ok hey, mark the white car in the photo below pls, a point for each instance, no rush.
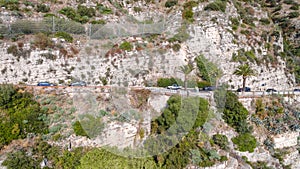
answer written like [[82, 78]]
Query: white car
[[174, 87]]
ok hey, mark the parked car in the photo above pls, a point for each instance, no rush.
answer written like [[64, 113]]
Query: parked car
[[174, 87], [45, 84], [209, 88], [296, 90], [247, 89], [79, 83], [271, 90]]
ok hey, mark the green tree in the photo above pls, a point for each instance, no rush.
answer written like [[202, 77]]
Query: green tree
[[20, 115], [245, 71], [208, 71]]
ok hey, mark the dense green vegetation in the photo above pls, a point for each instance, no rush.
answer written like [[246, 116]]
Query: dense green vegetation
[[82, 14], [218, 5], [78, 130], [245, 142], [221, 140], [126, 46], [20, 115], [187, 13], [54, 156], [101, 158], [235, 115], [171, 3], [208, 71], [65, 36], [174, 120]]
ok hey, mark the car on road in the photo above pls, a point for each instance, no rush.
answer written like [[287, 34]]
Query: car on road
[[45, 84], [79, 83], [174, 87], [271, 90], [296, 90], [247, 89], [209, 88]]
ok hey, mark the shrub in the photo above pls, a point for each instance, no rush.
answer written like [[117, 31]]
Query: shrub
[[20, 159], [100, 22], [188, 15], [265, 21], [203, 84], [42, 41], [190, 4], [137, 9], [85, 11], [126, 46], [221, 140], [176, 47], [171, 3], [288, 2], [65, 36], [49, 56], [42, 8], [293, 14], [69, 12], [78, 130], [13, 49], [218, 5], [104, 10], [180, 37], [245, 142], [165, 82], [295, 7]]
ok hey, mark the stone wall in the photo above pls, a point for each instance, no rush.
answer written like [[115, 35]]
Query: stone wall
[[286, 140]]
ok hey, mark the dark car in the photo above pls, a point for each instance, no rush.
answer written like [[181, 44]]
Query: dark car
[[209, 88], [80, 83], [45, 84], [296, 90], [271, 90], [247, 89]]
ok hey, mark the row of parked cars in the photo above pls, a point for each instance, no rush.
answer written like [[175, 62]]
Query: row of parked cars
[[78, 83], [247, 89]]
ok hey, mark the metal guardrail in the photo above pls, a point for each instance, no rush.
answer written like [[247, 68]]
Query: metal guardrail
[[182, 92], [264, 93]]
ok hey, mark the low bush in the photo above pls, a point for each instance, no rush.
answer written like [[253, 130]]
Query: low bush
[[126, 46], [245, 142], [42, 8], [78, 130], [203, 84], [176, 47], [104, 10], [221, 141], [188, 15], [65, 36], [218, 5], [171, 3], [165, 82], [293, 14], [42, 41]]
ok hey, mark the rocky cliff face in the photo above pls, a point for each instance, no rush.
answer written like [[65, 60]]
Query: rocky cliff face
[[211, 34]]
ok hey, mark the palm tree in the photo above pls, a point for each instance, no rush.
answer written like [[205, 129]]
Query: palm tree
[[186, 70], [245, 71]]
